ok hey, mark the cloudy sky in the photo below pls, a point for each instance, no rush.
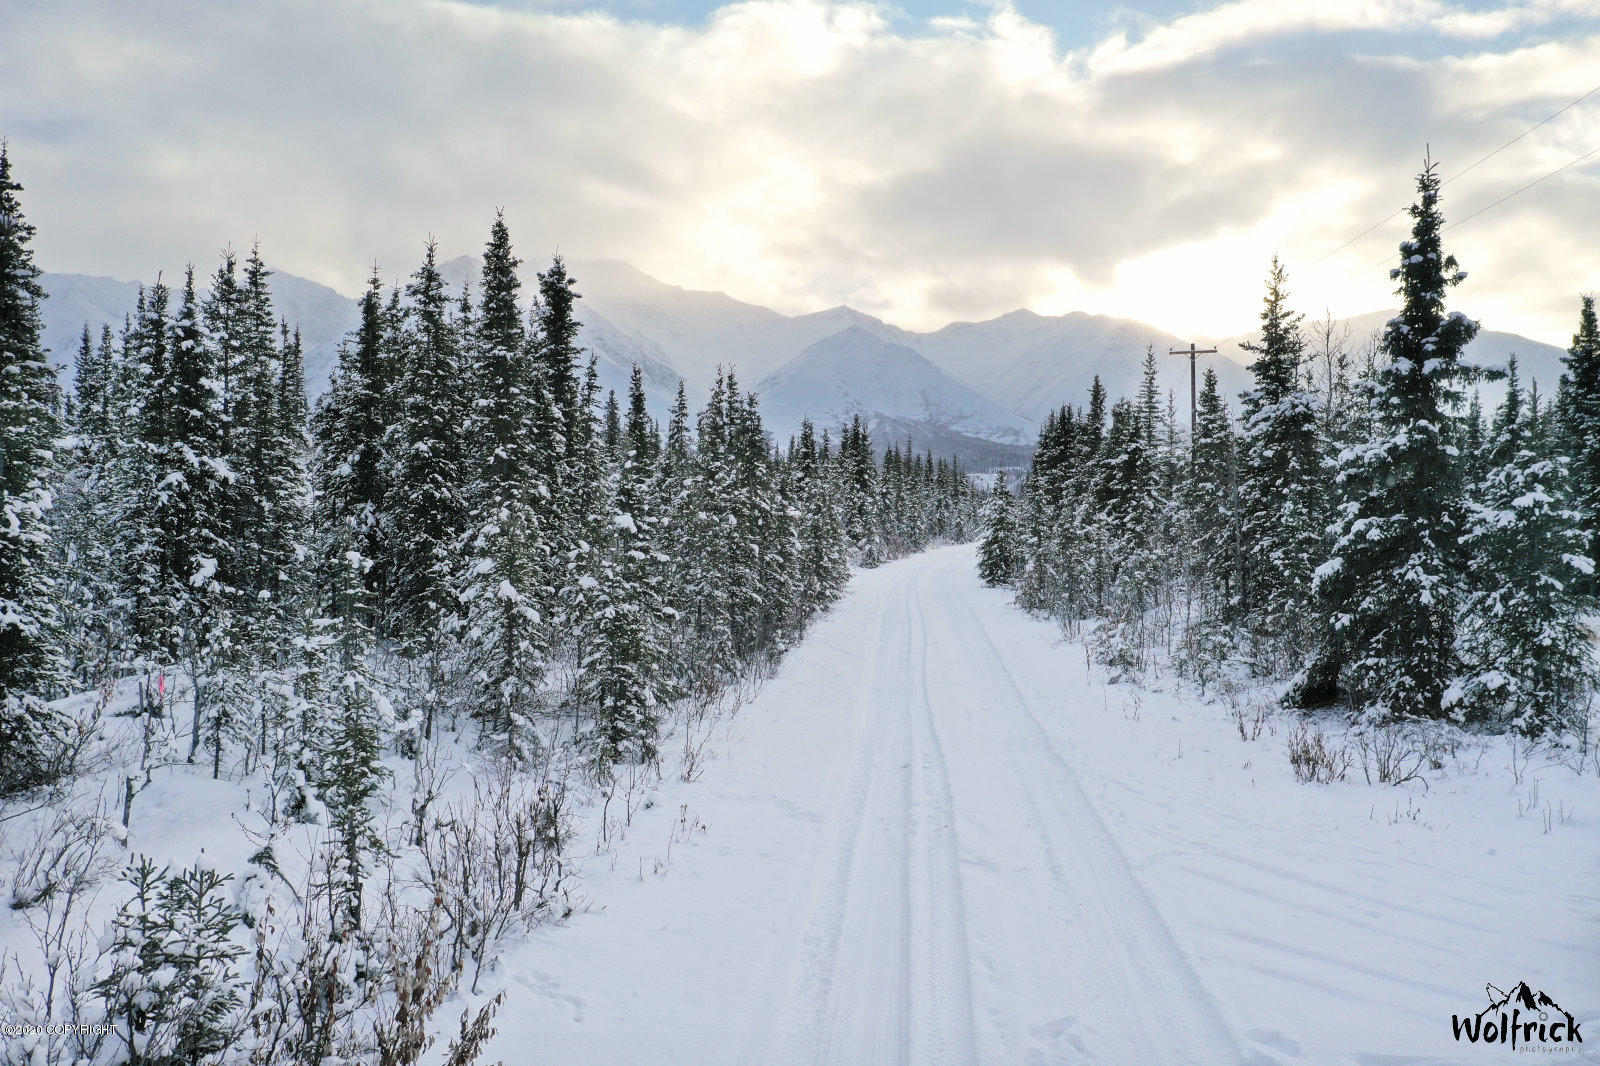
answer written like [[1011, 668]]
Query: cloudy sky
[[926, 161]]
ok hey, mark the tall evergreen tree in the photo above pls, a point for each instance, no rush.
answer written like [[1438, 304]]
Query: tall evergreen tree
[[1580, 412], [30, 665], [997, 554], [622, 672], [1280, 485], [1525, 634], [349, 429], [1393, 584], [191, 516], [429, 509], [505, 591]]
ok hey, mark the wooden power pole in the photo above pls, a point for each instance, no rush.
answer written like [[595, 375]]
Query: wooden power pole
[[1191, 352]]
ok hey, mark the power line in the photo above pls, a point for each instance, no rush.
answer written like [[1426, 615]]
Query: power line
[[1523, 134], [1516, 192], [1525, 188], [1400, 211]]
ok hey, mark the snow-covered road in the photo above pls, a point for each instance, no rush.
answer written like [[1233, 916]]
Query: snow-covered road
[[935, 837]]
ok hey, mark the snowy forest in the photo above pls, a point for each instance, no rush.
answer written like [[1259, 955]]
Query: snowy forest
[[417, 625], [1359, 527]]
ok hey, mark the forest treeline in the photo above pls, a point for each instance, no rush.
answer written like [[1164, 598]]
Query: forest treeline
[[1356, 524], [463, 563]]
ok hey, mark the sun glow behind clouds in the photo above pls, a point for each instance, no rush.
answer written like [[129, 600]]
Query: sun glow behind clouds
[[803, 154]]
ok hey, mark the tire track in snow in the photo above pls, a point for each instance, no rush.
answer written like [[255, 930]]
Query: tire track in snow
[[1178, 1021], [845, 1000], [943, 1028]]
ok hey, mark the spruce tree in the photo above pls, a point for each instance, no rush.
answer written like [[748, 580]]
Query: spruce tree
[[31, 669], [349, 428], [622, 675], [206, 989], [1525, 634], [504, 591], [191, 515], [565, 424], [1580, 413], [138, 986], [429, 506], [1210, 503], [1393, 585], [997, 554], [1280, 479], [345, 714], [143, 571]]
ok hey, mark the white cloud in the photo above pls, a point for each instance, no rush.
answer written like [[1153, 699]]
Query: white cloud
[[802, 154]]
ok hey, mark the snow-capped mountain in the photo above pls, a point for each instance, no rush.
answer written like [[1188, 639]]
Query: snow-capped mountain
[[322, 315], [897, 390], [1034, 363], [700, 331], [1026, 363]]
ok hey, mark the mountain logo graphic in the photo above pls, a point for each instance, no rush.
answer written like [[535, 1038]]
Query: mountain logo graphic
[[1519, 1017]]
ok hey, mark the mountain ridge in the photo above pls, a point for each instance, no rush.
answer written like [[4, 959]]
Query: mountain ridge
[[1016, 366]]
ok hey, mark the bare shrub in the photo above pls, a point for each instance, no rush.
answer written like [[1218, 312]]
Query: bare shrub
[[1314, 759], [60, 1000], [1397, 754], [416, 981], [496, 861], [65, 854], [1250, 719], [304, 1001]]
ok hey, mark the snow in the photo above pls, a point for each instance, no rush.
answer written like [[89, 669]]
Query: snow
[[855, 371], [936, 836]]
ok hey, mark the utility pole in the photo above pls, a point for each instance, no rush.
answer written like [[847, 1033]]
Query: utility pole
[[1191, 352]]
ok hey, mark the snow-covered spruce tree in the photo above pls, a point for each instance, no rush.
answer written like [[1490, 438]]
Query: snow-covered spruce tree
[[824, 569], [348, 714], [585, 518], [226, 313], [252, 406], [757, 583], [31, 669], [191, 518], [709, 566], [611, 429], [1280, 484], [1474, 441], [784, 615], [861, 501], [285, 482], [138, 985], [348, 429], [148, 612], [92, 425], [83, 519], [1207, 538], [1525, 637], [1393, 584], [567, 421], [1580, 418], [621, 676], [1210, 505], [672, 491], [503, 590], [997, 554], [426, 447], [206, 991]]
